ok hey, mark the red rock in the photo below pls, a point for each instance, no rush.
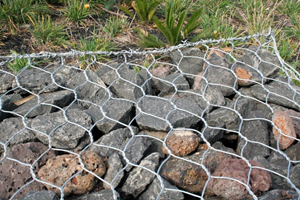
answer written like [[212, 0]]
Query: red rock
[[285, 123], [14, 175], [59, 169], [182, 143], [238, 169]]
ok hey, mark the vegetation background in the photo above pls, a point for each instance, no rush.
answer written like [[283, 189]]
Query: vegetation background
[[29, 26]]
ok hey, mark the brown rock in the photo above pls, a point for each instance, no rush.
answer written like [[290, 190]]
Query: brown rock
[[189, 176], [185, 175], [59, 169], [238, 169], [285, 123], [243, 74], [182, 142], [14, 175]]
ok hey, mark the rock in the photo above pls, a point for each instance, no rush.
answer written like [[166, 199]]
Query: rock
[[260, 180], [226, 116], [184, 175], [256, 132], [108, 73], [284, 123], [295, 116], [190, 61], [294, 175], [181, 142], [7, 104], [60, 98], [89, 87], [157, 74], [40, 195], [64, 73], [153, 108], [116, 139], [279, 164], [280, 194], [35, 80], [139, 178], [61, 168], [156, 138], [130, 84], [6, 82], [63, 134], [154, 189], [172, 83], [244, 74], [135, 149], [212, 134], [260, 62], [14, 175], [106, 194], [292, 152], [216, 65], [278, 92], [114, 166], [117, 109], [12, 131]]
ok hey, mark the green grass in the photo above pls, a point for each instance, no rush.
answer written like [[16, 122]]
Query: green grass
[[47, 33], [17, 12], [158, 23]]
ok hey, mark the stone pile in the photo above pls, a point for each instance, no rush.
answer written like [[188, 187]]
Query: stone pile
[[207, 124]]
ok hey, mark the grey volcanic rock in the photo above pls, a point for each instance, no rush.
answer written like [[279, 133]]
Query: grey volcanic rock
[[60, 98], [154, 189], [280, 93], [117, 109], [136, 148], [262, 61], [139, 178], [114, 166], [213, 134], [279, 164], [6, 82], [217, 72], [108, 73], [115, 139], [190, 61], [62, 133], [204, 96], [255, 130], [13, 129], [226, 116], [89, 87], [154, 108], [40, 195], [105, 194], [35, 80], [14, 175], [295, 174], [166, 85], [131, 84], [7, 102]]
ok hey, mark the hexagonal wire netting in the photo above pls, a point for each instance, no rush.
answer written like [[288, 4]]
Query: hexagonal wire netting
[[210, 118]]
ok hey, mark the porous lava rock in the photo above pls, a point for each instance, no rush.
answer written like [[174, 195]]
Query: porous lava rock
[[14, 175], [60, 168], [284, 122], [238, 169], [182, 142]]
